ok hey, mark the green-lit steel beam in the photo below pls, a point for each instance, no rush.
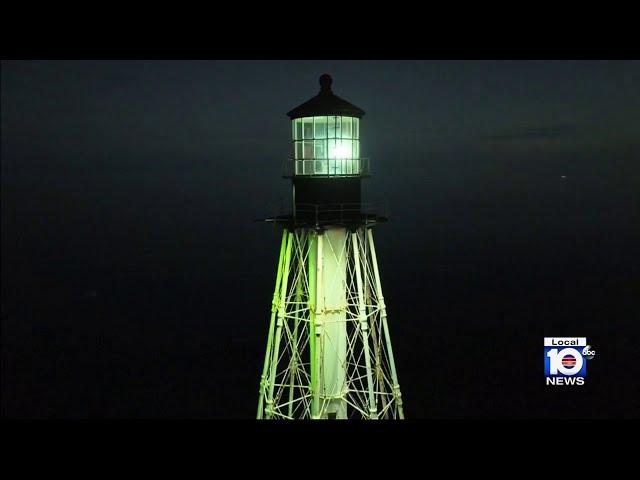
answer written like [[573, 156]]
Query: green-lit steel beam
[[274, 308], [383, 315], [312, 245], [299, 279], [279, 323], [318, 325], [364, 326]]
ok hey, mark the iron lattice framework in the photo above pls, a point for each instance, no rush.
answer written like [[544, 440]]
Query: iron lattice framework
[[328, 351]]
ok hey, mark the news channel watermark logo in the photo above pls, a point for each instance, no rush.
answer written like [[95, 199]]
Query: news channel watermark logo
[[565, 360]]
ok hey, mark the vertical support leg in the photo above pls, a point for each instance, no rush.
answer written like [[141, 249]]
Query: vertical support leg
[[364, 327], [279, 323], [274, 309], [383, 315], [299, 279], [379, 383], [318, 326], [313, 364]]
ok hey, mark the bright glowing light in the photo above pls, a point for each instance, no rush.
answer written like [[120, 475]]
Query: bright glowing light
[[342, 151]]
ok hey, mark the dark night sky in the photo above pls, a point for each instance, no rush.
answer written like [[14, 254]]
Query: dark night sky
[[135, 282]]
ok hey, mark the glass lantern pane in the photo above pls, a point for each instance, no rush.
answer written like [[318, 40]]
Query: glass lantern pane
[[356, 128], [308, 149], [356, 149], [320, 167], [334, 127], [307, 128], [331, 149], [346, 127], [320, 149], [320, 127], [298, 150], [333, 168], [347, 149], [298, 129]]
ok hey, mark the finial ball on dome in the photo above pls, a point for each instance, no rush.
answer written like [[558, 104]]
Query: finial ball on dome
[[325, 81]]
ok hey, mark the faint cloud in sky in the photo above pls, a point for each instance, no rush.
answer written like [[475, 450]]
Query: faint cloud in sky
[[538, 132]]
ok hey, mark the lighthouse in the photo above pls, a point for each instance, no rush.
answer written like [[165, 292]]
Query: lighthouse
[[329, 353]]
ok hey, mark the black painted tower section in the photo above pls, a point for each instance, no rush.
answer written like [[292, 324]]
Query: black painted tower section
[[326, 196]]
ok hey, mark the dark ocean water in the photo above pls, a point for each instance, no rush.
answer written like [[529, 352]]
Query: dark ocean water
[[141, 295]]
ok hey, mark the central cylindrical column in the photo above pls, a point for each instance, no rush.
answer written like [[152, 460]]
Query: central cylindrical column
[[330, 320], [334, 342]]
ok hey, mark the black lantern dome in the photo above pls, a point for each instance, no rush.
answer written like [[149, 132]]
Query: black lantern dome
[[326, 103]]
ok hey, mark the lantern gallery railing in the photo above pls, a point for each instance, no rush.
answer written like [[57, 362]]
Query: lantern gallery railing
[[331, 214], [328, 167]]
